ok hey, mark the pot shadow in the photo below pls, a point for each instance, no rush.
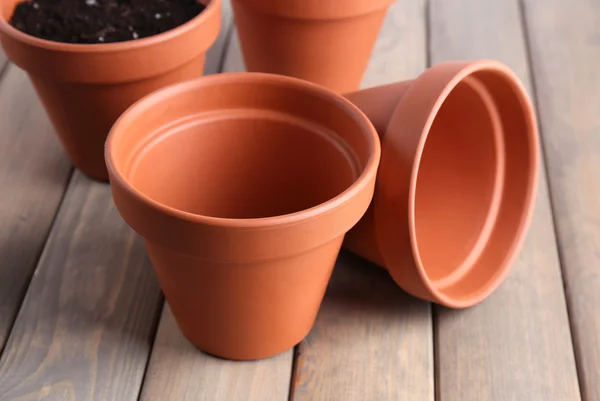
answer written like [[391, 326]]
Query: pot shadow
[[362, 301], [358, 284]]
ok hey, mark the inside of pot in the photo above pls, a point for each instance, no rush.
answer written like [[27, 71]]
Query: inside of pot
[[470, 253], [458, 183], [250, 149]]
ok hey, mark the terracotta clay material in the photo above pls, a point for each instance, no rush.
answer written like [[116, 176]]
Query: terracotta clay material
[[456, 186], [325, 42], [243, 186], [86, 87]]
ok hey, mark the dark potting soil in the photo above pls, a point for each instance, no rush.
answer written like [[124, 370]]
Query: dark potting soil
[[101, 21]]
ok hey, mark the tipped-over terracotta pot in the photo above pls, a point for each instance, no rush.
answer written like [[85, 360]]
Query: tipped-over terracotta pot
[[457, 180], [243, 186], [325, 42], [86, 87]]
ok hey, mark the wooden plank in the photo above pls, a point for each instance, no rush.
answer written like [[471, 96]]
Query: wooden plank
[[179, 371], [85, 328], [34, 172], [564, 41], [516, 345], [371, 341], [216, 54]]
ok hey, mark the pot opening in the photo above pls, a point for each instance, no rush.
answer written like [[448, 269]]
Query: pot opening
[[460, 178], [251, 148], [243, 167], [517, 195]]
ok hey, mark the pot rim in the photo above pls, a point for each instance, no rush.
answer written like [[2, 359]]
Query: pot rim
[[461, 71], [329, 206], [7, 29]]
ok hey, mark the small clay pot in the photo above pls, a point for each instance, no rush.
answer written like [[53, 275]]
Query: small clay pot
[[325, 42], [86, 87], [456, 186], [243, 186]]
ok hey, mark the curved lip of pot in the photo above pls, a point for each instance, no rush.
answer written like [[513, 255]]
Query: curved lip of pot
[[467, 69], [329, 206], [6, 28]]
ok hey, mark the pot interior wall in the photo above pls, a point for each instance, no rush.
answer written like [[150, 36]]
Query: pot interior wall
[[457, 177], [243, 165], [521, 154]]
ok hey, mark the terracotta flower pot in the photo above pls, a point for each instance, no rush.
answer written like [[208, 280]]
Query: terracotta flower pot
[[243, 186], [85, 87], [325, 42], [457, 181]]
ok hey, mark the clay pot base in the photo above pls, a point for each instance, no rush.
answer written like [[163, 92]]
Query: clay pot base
[[253, 164], [328, 43]]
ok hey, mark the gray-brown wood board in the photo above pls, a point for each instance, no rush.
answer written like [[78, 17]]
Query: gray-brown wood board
[[371, 341], [86, 325], [564, 41], [34, 172], [516, 345]]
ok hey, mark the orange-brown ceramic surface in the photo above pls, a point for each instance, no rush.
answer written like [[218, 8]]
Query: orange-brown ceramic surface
[[325, 42], [243, 186], [456, 185], [85, 88]]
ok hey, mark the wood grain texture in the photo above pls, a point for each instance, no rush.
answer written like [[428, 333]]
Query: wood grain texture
[[564, 41], [85, 328], [179, 371], [371, 341], [34, 172], [516, 345]]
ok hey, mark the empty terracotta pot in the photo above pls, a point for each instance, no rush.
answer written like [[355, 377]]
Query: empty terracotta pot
[[243, 186], [457, 181], [325, 42], [86, 87]]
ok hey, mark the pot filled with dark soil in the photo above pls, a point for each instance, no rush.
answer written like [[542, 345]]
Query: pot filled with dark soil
[[89, 60]]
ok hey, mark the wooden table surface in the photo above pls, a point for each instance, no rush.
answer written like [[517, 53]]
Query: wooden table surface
[[81, 312]]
